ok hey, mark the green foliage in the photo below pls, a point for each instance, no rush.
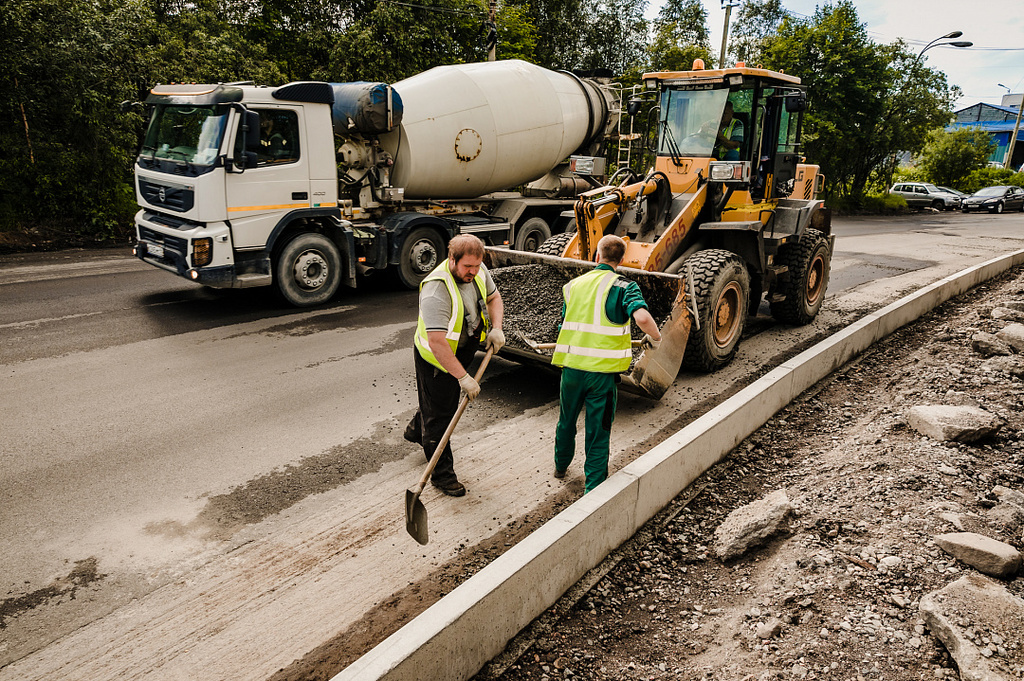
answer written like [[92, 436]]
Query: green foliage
[[755, 23], [868, 102], [680, 36], [987, 177], [868, 204], [949, 157]]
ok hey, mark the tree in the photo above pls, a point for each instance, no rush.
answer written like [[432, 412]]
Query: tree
[[755, 23], [680, 36], [950, 156], [867, 102], [616, 36]]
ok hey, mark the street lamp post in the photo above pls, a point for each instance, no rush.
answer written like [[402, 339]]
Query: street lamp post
[[952, 34], [727, 5]]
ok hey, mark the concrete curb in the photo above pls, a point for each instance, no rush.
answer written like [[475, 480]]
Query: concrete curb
[[455, 637]]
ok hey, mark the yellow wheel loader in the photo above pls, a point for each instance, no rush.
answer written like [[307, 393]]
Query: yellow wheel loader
[[728, 216]]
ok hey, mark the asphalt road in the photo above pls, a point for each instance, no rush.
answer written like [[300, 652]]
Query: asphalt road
[[152, 427]]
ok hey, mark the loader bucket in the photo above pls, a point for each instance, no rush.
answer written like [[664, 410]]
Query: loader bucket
[[531, 288]]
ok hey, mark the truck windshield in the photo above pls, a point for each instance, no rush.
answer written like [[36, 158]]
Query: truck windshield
[[690, 121], [185, 134]]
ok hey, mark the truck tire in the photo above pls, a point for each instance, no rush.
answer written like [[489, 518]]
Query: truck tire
[[721, 286], [308, 270], [556, 244], [531, 234], [809, 263], [422, 251]]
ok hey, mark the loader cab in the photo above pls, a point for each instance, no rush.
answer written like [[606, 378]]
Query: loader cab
[[739, 127]]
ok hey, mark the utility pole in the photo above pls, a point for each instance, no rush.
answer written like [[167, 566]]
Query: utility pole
[[727, 5], [1013, 138], [492, 31]]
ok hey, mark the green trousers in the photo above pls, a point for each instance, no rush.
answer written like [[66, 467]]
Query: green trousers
[[599, 394]]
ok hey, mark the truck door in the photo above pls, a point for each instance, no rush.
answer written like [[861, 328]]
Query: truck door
[[279, 183]]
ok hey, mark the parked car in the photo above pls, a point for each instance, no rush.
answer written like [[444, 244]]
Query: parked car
[[923, 195], [962, 195], [995, 199]]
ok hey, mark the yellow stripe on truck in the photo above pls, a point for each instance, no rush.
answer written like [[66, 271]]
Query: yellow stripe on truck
[[282, 206]]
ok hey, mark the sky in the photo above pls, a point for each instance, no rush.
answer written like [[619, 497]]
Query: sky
[[996, 27]]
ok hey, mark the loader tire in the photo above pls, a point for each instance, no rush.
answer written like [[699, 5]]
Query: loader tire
[[721, 287], [308, 270], [556, 244], [809, 262]]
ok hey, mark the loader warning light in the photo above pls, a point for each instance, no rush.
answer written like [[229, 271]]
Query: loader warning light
[[698, 65]]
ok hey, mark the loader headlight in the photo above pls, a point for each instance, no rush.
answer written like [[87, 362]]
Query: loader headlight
[[202, 252], [730, 171]]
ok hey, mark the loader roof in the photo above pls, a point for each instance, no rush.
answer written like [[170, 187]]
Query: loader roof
[[720, 75]]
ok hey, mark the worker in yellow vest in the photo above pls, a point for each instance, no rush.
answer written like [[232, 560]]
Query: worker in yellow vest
[[594, 346], [459, 307], [730, 136]]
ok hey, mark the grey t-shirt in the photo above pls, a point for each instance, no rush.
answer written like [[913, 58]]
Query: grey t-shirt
[[436, 304]]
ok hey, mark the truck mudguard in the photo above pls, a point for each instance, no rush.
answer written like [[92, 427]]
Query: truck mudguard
[[341, 234], [368, 108], [399, 225]]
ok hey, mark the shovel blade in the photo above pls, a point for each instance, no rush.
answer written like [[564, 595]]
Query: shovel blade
[[416, 517]]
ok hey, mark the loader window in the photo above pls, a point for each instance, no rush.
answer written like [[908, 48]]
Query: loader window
[[690, 121]]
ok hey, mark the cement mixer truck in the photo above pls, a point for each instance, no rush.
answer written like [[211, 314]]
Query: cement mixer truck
[[309, 185]]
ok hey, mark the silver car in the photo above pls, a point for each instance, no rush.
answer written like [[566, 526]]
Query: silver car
[[923, 195]]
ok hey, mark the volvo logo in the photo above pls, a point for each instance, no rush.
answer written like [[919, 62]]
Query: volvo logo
[[163, 195]]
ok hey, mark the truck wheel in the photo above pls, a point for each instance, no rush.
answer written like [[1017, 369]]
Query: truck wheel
[[556, 244], [308, 270], [721, 285], [422, 251], [809, 263], [531, 234]]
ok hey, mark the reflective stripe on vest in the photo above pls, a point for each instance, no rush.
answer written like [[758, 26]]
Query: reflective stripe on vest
[[455, 322], [589, 341]]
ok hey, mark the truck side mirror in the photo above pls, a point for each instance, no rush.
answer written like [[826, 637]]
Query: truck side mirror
[[252, 132], [796, 103]]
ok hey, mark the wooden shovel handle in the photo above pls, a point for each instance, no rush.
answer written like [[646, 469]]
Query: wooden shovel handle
[[463, 403]]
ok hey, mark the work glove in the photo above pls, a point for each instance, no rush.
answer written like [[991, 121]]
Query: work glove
[[495, 340], [469, 386], [649, 342]]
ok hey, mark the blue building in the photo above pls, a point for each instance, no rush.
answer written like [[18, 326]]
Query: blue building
[[999, 122]]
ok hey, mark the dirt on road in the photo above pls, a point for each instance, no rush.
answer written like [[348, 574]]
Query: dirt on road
[[836, 595]]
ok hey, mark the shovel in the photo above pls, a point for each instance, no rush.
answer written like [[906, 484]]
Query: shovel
[[415, 512]]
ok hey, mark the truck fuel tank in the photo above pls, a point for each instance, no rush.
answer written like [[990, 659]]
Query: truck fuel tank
[[471, 129]]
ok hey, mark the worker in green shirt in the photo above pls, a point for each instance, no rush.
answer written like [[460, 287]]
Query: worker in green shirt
[[594, 346]]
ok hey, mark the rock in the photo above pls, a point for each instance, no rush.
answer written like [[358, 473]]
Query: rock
[[1012, 365], [1008, 495], [987, 345], [769, 629], [953, 423], [1013, 305], [1008, 314], [1013, 335], [1007, 515], [750, 525], [985, 604], [953, 519], [983, 553]]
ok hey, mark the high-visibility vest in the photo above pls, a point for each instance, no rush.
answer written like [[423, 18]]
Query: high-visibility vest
[[589, 341], [454, 330], [721, 151]]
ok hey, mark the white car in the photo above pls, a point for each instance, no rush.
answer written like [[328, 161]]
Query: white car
[[923, 195]]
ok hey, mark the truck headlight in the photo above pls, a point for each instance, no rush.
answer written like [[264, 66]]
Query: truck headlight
[[202, 252]]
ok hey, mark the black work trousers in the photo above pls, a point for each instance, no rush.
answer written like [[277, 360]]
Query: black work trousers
[[438, 393]]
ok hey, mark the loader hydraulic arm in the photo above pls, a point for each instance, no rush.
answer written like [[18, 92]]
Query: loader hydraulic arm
[[597, 210]]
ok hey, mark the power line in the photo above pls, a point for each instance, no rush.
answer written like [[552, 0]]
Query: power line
[[442, 10]]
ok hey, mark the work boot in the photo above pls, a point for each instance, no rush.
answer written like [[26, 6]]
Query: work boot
[[559, 474], [452, 489], [412, 432]]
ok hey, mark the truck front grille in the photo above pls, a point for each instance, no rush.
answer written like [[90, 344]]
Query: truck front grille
[[173, 197], [170, 243]]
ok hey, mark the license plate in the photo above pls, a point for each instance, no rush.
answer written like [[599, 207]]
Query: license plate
[[155, 250]]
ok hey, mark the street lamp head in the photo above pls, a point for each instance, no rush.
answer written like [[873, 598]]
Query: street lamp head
[[954, 34], [961, 43]]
